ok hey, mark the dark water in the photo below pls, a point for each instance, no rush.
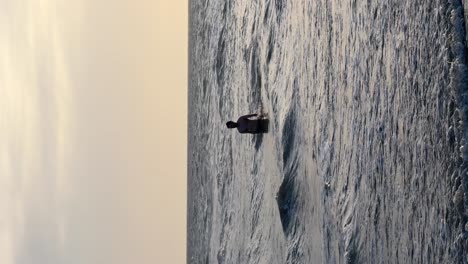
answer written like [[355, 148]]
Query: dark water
[[365, 159]]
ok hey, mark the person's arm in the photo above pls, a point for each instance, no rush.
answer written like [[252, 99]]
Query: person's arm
[[248, 116]]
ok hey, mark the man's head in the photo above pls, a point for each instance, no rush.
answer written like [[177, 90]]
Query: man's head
[[231, 124]]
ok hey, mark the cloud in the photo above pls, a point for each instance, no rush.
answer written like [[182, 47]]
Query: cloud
[[80, 155], [34, 102]]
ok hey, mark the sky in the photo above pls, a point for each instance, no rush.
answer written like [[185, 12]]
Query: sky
[[93, 131]]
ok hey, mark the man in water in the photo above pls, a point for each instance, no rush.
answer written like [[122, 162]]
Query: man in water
[[246, 125]]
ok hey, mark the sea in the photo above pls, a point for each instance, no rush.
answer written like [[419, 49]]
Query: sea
[[365, 160]]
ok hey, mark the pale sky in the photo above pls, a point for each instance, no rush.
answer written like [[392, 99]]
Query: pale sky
[[93, 107]]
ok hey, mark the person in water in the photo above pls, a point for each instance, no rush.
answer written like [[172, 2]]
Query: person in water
[[246, 125]]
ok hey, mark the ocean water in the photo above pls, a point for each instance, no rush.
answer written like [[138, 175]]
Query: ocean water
[[365, 159]]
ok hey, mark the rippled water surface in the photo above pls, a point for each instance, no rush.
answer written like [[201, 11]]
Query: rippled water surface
[[365, 159]]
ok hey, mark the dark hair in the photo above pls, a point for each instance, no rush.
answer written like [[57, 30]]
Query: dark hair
[[231, 124]]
